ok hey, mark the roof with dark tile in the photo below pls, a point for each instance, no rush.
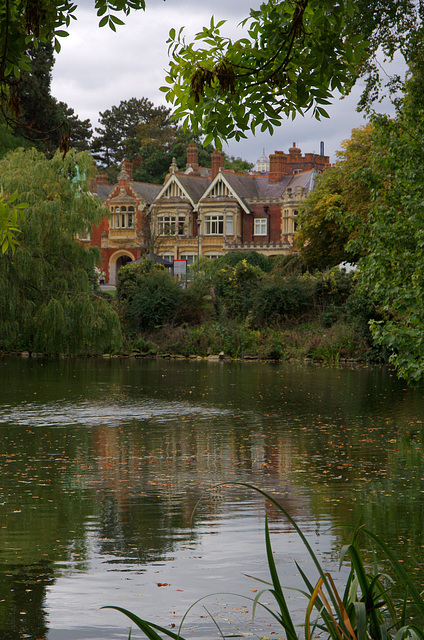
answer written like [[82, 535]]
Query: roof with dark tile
[[104, 191], [194, 186], [145, 190]]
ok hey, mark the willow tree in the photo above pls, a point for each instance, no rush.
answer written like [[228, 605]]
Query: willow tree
[[48, 297]]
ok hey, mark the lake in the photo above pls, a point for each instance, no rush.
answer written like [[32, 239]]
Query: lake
[[107, 476]]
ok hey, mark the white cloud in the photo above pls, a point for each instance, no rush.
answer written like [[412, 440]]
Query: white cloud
[[98, 68]]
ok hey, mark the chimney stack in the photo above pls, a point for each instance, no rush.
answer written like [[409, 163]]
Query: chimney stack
[[217, 162], [277, 166], [101, 178], [192, 156]]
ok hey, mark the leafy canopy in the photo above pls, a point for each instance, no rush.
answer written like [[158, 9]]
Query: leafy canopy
[[381, 211], [339, 206], [294, 54], [48, 297]]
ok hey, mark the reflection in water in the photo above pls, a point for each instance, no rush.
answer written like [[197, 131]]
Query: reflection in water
[[103, 465]]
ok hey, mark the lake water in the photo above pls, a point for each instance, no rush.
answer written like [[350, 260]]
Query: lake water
[[106, 475]]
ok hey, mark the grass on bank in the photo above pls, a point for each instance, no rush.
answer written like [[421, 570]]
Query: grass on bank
[[371, 606]]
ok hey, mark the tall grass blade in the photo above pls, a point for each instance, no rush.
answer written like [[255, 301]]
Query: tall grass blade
[[322, 611], [367, 592], [277, 591], [361, 620], [406, 580], [411, 632], [148, 628], [294, 525]]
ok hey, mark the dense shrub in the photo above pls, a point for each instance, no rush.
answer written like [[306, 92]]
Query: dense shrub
[[333, 286], [131, 274], [286, 265], [233, 258], [195, 303], [277, 300], [234, 288], [149, 297]]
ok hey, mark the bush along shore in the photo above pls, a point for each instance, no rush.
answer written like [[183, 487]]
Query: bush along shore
[[245, 306], [240, 306]]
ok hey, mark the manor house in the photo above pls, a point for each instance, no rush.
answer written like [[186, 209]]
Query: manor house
[[202, 211]]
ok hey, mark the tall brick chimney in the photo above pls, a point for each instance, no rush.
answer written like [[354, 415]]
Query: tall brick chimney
[[217, 162], [277, 166], [192, 156], [101, 178]]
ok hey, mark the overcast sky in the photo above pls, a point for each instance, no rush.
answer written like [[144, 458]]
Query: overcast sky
[[98, 68]]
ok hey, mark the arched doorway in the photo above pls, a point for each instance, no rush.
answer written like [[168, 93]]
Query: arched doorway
[[117, 261]]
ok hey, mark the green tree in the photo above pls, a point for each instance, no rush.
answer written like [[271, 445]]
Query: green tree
[[292, 56], [237, 164], [320, 239], [341, 194], [80, 131], [48, 298], [159, 144], [33, 112], [36, 116], [391, 270], [118, 135], [235, 287]]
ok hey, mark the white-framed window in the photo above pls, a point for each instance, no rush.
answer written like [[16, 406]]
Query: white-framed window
[[168, 256], [171, 225], [229, 225], [190, 257], [214, 225], [212, 256], [123, 217], [295, 222], [261, 227]]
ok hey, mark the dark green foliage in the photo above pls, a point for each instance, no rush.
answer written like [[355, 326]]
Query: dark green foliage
[[10, 141], [149, 296], [39, 118], [275, 301], [80, 131], [118, 136], [333, 286], [160, 145], [284, 265], [195, 304], [35, 116]]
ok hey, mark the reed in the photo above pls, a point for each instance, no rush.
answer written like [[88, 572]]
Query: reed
[[372, 605]]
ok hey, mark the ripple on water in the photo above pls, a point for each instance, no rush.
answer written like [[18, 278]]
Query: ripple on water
[[65, 413]]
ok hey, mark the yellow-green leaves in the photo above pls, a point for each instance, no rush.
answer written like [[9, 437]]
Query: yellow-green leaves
[[10, 213]]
